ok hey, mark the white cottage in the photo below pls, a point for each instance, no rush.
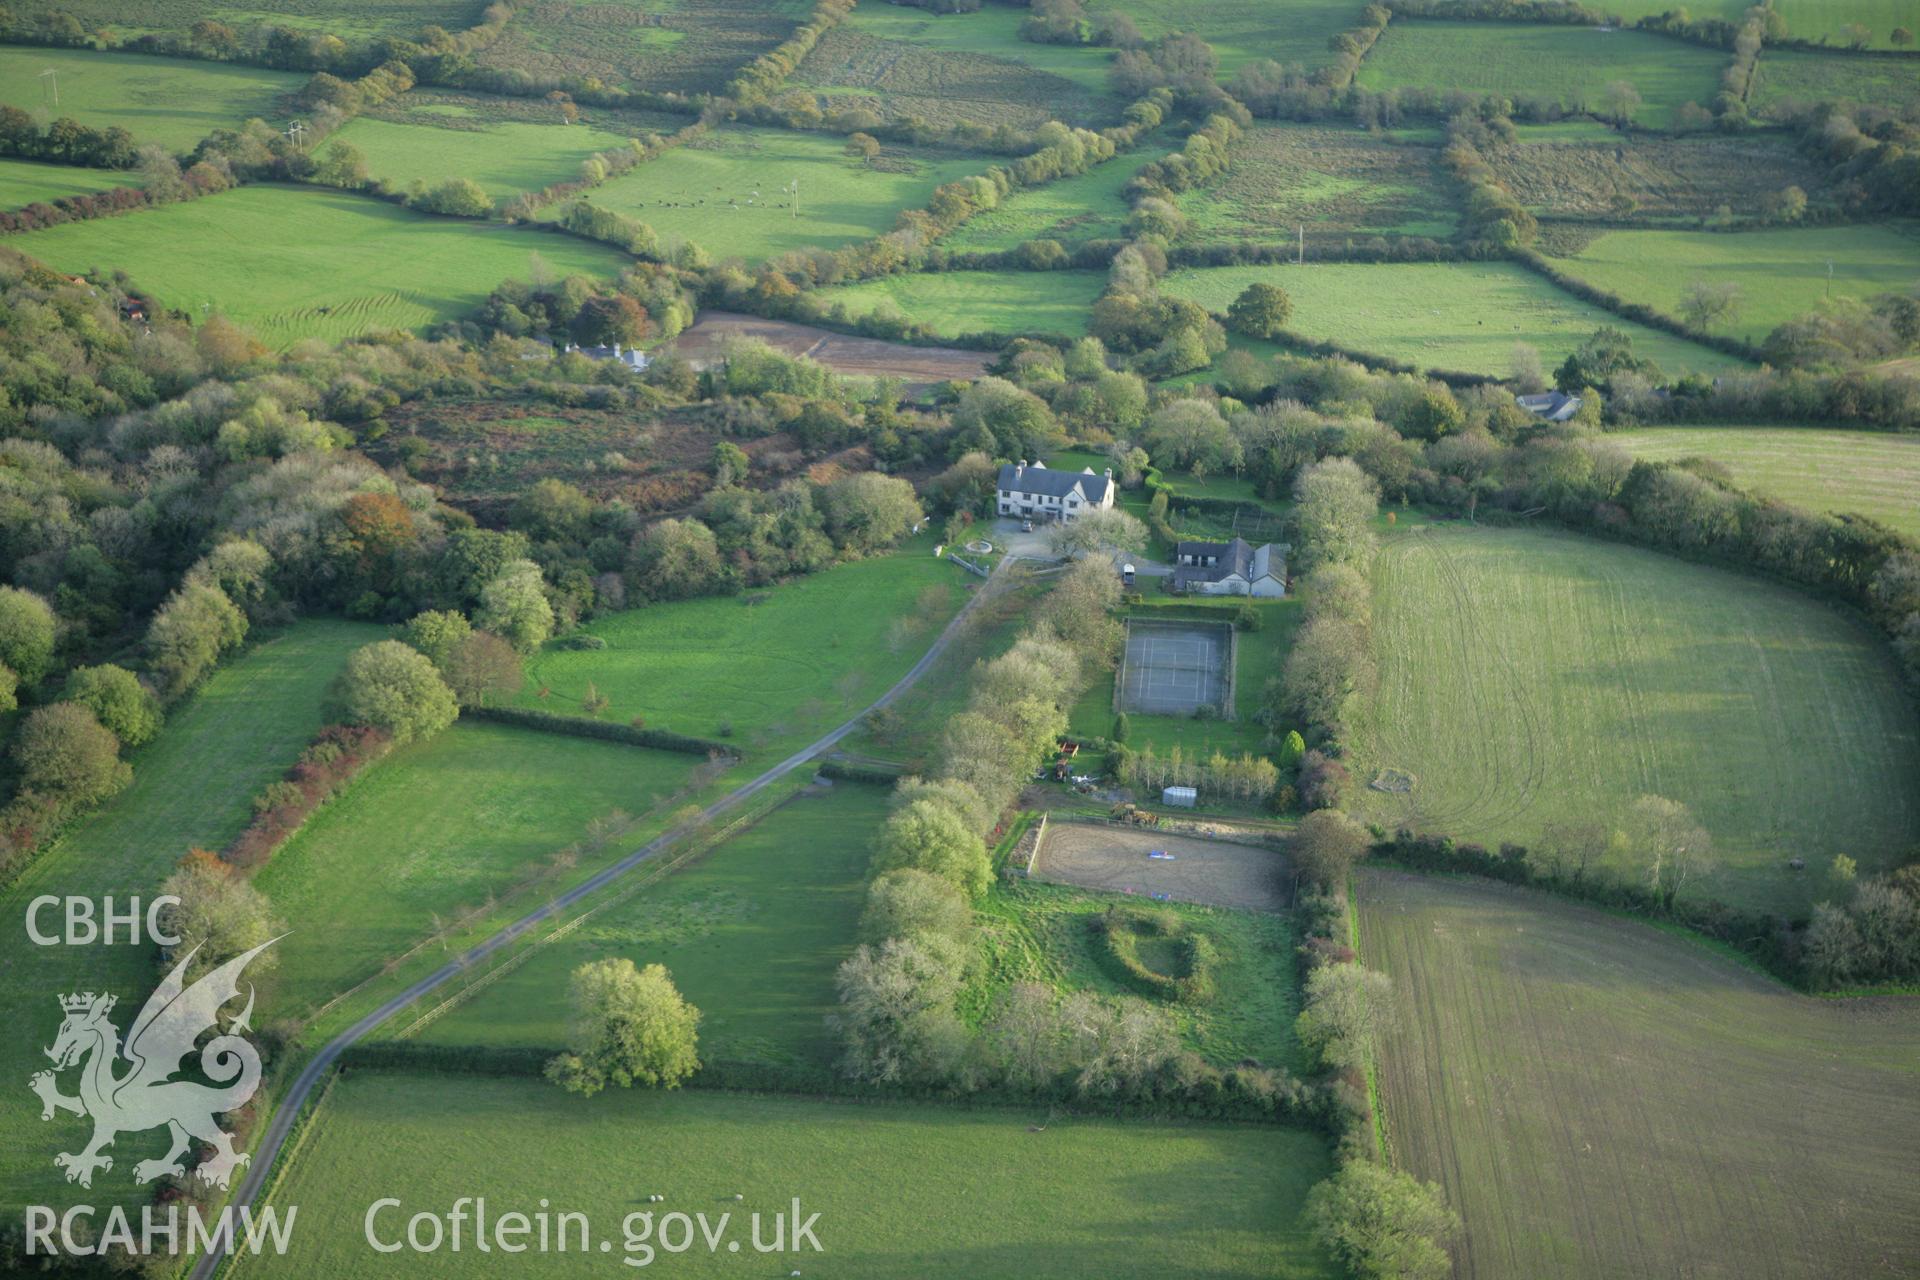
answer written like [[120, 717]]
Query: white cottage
[[1039, 493]]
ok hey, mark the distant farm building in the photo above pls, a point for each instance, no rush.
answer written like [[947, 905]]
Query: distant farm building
[[632, 357], [1036, 492], [1235, 568], [1550, 406]]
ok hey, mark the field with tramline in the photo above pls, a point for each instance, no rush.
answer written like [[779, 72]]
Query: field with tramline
[[1597, 173], [357, 265], [192, 786], [1601, 1098], [447, 826], [1780, 274], [1796, 76], [956, 303], [1568, 65], [728, 192], [1338, 184], [752, 933], [685, 46], [1874, 473], [900, 1188], [169, 101], [769, 669], [1534, 678], [1438, 315], [23, 182]]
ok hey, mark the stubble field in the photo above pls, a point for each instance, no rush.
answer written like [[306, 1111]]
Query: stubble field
[[1602, 1099]]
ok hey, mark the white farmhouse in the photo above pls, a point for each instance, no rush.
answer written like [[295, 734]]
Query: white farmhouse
[[1035, 492]]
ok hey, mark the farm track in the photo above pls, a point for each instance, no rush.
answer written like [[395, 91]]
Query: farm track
[[287, 1113]]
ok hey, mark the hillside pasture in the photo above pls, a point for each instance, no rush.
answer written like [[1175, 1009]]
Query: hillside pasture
[[1087, 206], [442, 827], [169, 101], [25, 182], [681, 46], [724, 191], [1564, 64], [505, 158], [900, 1189], [771, 668], [1294, 32], [957, 303], [1336, 183], [1601, 1098], [1873, 473], [357, 265], [1780, 274], [1787, 77], [1648, 177], [1438, 315], [193, 786], [752, 933], [1532, 678], [904, 63]]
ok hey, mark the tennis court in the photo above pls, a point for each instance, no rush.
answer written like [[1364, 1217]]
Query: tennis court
[[1174, 668]]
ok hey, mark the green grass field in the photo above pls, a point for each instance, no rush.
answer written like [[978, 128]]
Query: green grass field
[[1073, 210], [1243, 31], [348, 19], [901, 1190], [1794, 75], [774, 668], [505, 158], [1572, 65], [441, 827], [1781, 274], [1055, 303], [1530, 678], [165, 100], [1337, 184], [23, 182], [1601, 1098], [1037, 932], [358, 264], [1438, 315], [192, 786], [1874, 473], [1817, 19], [724, 192], [752, 934]]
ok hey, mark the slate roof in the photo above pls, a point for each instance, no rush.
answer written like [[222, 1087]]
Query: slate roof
[[1038, 478]]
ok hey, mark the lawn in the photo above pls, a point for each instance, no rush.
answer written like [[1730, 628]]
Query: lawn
[[442, 827], [1037, 932], [24, 182], [1874, 473], [1243, 31], [1438, 315], [908, 63], [772, 669], [752, 934], [1802, 76], [165, 100], [954, 303], [725, 192], [192, 786], [901, 1190], [504, 157], [1074, 210], [1260, 654], [357, 265], [1601, 1098], [1570, 65], [1531, 678], [1780, 274], [1337, 184]]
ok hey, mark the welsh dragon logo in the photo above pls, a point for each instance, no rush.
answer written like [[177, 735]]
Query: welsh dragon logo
[[145, 1096]]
